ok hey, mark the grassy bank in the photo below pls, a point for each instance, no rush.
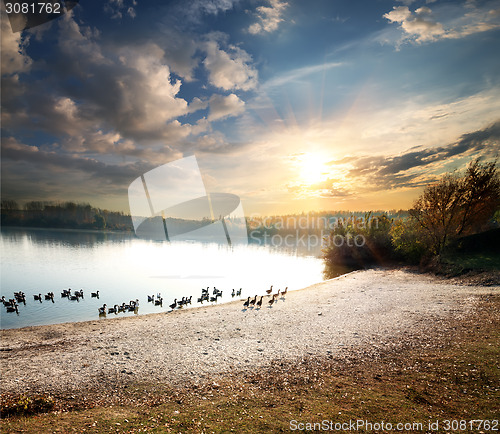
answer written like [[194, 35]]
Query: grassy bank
[[451, 373]]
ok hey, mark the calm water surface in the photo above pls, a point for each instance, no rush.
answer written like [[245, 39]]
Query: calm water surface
[[124, 268]]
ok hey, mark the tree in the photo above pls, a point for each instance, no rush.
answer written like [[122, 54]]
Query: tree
[[458, 205]]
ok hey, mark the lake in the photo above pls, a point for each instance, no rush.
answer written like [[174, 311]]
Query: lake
[[123, 268]]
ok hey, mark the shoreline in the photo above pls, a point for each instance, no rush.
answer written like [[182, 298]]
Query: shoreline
[[361, 311]]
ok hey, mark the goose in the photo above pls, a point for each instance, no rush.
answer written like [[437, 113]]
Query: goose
[[204, 291], [212, 299], [201, 299], [247, 303], [2, 300], [159, 302], [12, 308], [113, 309], [252, 302], [233, 293], [259, 303], [151, 298], [284, 291], [94, 294], [173, 305], [219, 294], [238, 293], [188, 300], [102, 310], [48, 296], [75, 297], [182, 301], [122, 307], [271, 301], [214, 291], [80, 293], [38, 297], [268, 292]]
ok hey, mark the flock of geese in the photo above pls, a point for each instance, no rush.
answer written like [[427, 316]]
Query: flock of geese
[[253, 302], [12, 305]]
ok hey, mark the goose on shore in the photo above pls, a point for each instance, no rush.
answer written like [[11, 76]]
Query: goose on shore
[[233, 293], [259, 303], [268, 292], [238, 293], [272, 300], [174, 304], [252, 302], [284, 291]]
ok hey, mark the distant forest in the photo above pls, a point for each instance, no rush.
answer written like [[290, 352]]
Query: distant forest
[[66, 215], [71, 215]]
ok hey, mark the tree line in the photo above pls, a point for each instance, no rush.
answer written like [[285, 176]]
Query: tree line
[[449, 215], [67, 215]]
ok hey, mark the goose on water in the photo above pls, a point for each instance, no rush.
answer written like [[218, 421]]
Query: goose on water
[[38, 297], [12, 308], [94, 294], [102, 310]]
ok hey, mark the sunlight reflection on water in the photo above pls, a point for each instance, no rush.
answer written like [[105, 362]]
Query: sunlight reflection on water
[[124, 268]]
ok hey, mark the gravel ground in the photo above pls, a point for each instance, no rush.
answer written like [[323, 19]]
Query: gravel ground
[[361, 312]]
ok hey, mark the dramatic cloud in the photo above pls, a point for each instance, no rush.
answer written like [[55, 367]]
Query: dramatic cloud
[[225, 106], [231, 69], [269, 17], [400, 171]]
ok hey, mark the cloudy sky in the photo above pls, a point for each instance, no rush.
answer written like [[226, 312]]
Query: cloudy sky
[[292, 105]]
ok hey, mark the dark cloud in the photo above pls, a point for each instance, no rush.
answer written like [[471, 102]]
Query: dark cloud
[[393, 171]]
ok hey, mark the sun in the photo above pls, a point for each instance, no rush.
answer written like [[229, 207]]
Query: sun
[[312, 168]]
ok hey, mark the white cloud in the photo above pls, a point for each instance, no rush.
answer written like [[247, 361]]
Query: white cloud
[[229, 70], [422, 25], [14, 57], [419, 25], [269, 17], [225, 106], [300, 73]]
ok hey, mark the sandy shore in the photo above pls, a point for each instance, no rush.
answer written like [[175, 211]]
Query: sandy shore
[[362, 311]]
